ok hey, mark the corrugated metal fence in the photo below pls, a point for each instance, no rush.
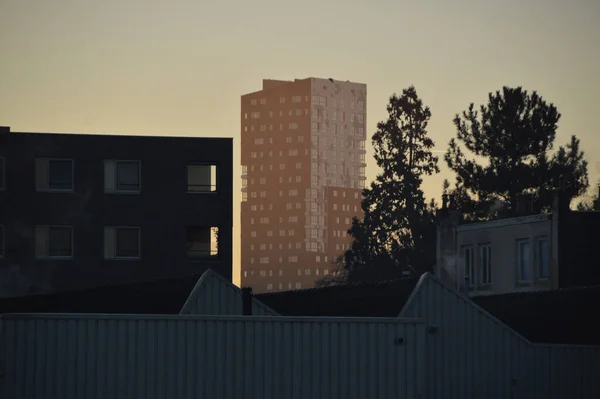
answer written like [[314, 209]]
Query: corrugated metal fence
[[474, 355], [121, 356]]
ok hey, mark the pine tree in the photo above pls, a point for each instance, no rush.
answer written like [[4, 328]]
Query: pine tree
[[512, 136]]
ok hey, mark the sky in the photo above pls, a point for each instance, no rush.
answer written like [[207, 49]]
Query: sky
[[158, 67]]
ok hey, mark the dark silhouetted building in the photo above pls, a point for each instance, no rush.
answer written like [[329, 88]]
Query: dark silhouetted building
[[82, 210]]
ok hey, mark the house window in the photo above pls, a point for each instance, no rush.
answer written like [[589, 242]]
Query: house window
[[298, 286], [468, 259], [202, 178], [54, 174], [543, 258], [485, 264], [1, 241], [523, 261], [122, 176], [2, 174], [53, 242], [202, 242], [121, 243]]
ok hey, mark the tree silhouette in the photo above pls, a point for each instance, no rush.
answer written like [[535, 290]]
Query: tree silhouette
[[512, 137], [397, 230]]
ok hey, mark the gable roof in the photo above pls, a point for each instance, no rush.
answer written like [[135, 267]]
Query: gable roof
[[563, 316], [545, 317], [161, 296], [214, 295], [383, 299]]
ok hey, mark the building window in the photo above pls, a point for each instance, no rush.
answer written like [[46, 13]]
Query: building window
[[469, 264], [269, 287], [201, 178], [53, 242], [121, 243], [1, 241], [298, 286], [202, 242], [54, 174], [523, 261], [543, 258], [485, 264], [122, 176], [2, 174]]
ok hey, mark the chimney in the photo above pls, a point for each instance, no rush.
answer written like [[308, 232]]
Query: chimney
[[247, 301], [4, 129]]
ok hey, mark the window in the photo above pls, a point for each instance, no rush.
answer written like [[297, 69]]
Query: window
[[202, 178], [121, 176], [298, 286], [523, 261], [2, 174], [54, 174], [469, 264], [53, 242], [202, 242], [485, 264], [1, 241], [543, 258], [121, 243]]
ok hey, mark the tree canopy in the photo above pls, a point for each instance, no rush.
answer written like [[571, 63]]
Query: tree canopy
[[511, 138], [397, 231]]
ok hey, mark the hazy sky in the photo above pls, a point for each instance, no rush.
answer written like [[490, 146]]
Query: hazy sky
[[179, 67]]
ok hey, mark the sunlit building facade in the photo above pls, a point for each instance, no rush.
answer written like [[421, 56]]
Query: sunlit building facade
[[303, 170]]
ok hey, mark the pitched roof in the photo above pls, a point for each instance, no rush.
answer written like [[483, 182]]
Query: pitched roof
[[215, 295], [383, 299], [564, 316], [162, 296]]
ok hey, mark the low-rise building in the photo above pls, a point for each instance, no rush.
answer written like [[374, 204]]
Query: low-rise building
[[82, 210], [528, 253]]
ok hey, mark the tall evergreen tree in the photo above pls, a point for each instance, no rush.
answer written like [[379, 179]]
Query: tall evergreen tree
[[397, 230], [513, 135]]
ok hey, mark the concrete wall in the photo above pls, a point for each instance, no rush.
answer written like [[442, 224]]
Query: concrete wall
[[108, 356], [162, 209]]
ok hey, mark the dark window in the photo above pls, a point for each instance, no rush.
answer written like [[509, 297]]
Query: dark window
[[54, 174], [2, 174], [53, 242], [202, 178], [60, 242], [127, 242], [202, 242], [60, 175], [121, 176], [128, 176]]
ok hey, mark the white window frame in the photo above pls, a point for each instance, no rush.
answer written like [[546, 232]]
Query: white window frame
[[42, 247], [114, 164], [43, 165], [216, 182], [468, 255], [481, 265], [519, 252], [2, 242], [114, 256], [3, 174], [538, 260]]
